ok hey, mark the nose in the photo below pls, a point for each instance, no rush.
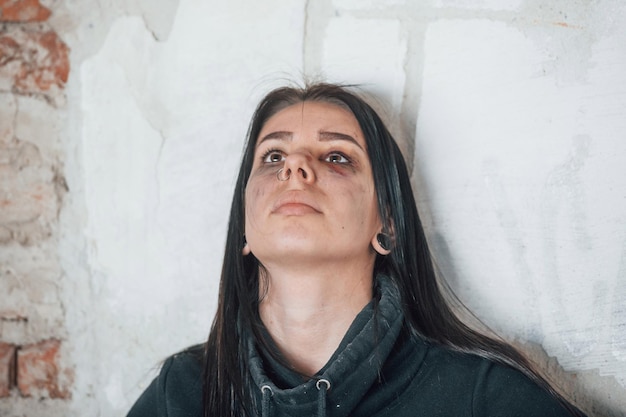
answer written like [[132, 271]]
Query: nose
[[298, 166]]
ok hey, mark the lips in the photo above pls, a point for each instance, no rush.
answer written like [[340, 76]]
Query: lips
[[294, 203]]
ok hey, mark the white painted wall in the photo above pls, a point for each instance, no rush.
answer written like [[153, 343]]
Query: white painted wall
[[511, 113]]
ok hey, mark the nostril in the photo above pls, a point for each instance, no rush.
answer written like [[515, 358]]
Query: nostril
[[304, 174]]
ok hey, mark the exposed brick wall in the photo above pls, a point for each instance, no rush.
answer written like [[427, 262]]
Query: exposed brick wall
[[23, 11], [38, 372], [32, 61], [29, 190], [34, 68], [7, 368]]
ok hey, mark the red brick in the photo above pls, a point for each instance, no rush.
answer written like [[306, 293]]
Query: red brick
[[23, 11], [7, 353], [33, 62], [39, 372]]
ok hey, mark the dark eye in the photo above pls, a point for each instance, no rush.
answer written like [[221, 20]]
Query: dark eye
[[272, 157], [337, 158]]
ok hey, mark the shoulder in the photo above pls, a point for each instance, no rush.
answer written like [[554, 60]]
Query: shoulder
[[177, 390], [494, 388], [181, 374], [442, 382], [502, 390], [186, 364]]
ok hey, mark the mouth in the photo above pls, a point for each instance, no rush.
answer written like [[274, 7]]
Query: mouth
[[295, 209], [294, 205]]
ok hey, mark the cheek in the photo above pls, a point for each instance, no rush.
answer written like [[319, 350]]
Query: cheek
[[363, 205], [254, 195], [371, 203]]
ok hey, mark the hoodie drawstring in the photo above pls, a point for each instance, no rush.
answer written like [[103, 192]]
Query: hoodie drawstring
[[267, 396], [321, 397]]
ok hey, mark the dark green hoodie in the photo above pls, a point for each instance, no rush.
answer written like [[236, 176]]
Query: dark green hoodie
[[379, 369]]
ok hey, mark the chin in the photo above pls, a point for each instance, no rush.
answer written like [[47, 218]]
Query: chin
[[289, 250]]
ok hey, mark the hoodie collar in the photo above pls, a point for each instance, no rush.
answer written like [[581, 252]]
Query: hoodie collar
[[340, 385]]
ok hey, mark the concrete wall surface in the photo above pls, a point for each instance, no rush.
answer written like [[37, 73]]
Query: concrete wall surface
[[116, 178]]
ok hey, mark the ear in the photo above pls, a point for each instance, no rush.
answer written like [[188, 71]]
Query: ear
[[382, 243], [245, 251]]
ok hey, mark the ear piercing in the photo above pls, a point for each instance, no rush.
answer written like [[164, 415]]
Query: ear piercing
[[384, 241]]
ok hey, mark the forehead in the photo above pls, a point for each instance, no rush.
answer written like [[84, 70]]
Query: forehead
[[316, 116]]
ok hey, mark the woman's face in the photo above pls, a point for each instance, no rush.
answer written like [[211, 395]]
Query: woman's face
[[326, 209]]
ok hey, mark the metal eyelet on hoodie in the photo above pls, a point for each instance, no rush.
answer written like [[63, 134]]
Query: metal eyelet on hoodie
[[321, 398], [267, 397]]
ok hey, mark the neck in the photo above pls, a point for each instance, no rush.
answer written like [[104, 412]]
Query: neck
[[308, 311]]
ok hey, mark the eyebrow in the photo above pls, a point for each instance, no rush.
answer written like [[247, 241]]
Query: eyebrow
[[330, 136], [324, 136], [280, 135]]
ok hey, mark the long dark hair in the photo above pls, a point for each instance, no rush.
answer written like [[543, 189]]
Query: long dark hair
[[410, 265]]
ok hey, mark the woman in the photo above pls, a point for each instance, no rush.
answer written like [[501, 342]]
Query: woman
[[329, 303]]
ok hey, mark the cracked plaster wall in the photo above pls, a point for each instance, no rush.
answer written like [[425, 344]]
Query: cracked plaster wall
[[510, 113]]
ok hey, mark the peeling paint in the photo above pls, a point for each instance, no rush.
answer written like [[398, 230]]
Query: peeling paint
[[159, 99]]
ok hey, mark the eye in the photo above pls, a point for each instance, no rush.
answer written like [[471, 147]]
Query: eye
[[273, 156], [337, 158]]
